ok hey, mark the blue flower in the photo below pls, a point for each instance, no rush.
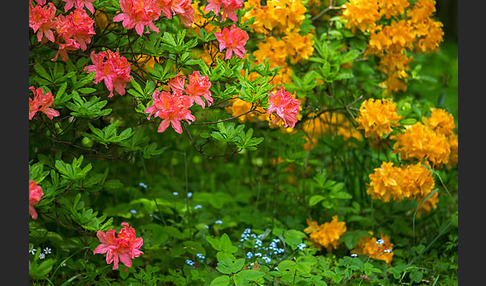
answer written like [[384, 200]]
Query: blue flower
[[218, 221], [190, 262], [142, 185], [380, 241], [249, 255], [197, 207], [175, 193]]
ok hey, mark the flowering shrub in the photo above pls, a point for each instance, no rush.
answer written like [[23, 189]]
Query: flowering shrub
[[298, 129]]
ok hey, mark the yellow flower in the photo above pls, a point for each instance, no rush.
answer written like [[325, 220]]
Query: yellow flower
[[441, 121], [361, 14], [298, 47], [377, 117], [454, 145], [390, 8], [381, 249], [420, 142], [326, 234], [385, 182], [417, 181]]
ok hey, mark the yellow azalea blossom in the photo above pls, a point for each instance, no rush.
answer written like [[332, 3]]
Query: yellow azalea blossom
[[454, 145], [440, 121], [298, 47], [417, 181], [384, 183], [278, 16], [381, 249], [377, 117], [361, 15], [326, 235], [389, 8], [420, 142]]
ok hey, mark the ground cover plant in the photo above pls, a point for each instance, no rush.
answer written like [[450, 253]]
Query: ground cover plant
[[277, 142]]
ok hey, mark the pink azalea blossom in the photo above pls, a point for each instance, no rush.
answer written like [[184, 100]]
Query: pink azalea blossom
[[171, 7], [285, 106], [214, 5], [79, 4], [123, 248], [177, 82], [229, 8], [78, 25], [41, 21], [35, 194], [74, 32], [172, 108], [41, 102], [115, 70], [182, 8], [233, 40], [138, 14], [199, 86], [187, 17]]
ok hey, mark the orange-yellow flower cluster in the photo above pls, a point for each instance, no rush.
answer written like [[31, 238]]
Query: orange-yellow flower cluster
[[283, 19], [326, 234], [377, 117], [327, 124], [431, 141], [278, 16], [399, 183], [411, 28], [381, 249]]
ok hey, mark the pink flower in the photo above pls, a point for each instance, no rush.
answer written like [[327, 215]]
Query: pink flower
[[182, 8], [229, 8], [285, 106], [41, 103], [78, 25], [199, 86], [124, 248], [233, 40], [172, 108], [70, 45], [187, 17], [75, 30], [138, 14], [79, 4], [35, 194], [177, 82], [41, 21], [214, 5], [171, 7], [115, 71]]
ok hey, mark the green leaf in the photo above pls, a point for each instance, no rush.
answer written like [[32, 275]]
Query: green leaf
[[315, 200], [42, 72], [221, 281]]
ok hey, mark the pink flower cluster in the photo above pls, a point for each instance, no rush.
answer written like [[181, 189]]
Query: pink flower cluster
[[35, 194], [139, 14], [72, 31], [174, 107], [123, 248], [182, 8], [41, 102], [233, 40], [79, 4], [229, 8], [115, 70], [285, 107]]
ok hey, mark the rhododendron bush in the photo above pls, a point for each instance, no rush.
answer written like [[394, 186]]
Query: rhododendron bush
[[231, 142]]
